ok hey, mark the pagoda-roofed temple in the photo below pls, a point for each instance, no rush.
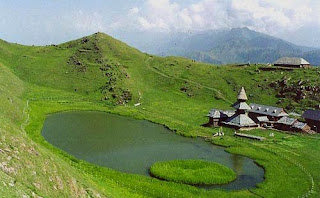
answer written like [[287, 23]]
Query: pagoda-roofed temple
[[241, 120], [247, 117]]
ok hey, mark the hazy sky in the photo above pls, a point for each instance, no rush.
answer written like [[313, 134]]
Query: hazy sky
[[43, 22]]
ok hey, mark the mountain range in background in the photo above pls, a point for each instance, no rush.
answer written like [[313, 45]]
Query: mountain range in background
[[237, 45]]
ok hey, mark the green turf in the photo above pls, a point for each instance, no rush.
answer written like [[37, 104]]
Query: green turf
[[193, 172], [100, 73]]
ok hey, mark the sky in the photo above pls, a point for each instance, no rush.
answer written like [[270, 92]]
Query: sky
[[41, 22]]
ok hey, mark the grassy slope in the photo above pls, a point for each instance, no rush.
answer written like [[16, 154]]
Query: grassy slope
[[156, 83], [28, 169]]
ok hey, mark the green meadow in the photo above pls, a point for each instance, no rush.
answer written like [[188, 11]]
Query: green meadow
[[100, 73], [193, 172]]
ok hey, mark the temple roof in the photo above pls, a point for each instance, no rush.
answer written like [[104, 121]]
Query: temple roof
[[267, 110], [215, 113], [242, 96], [241, 106], [241, 120]]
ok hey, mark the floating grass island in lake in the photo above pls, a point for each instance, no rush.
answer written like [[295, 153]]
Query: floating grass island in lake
[[195, 172]]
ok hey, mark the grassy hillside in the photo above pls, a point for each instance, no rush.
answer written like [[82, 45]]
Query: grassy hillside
[[100, 73], [26, 168]]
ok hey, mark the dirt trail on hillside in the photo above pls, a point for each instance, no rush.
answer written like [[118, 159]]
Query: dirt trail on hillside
[[155, 70]]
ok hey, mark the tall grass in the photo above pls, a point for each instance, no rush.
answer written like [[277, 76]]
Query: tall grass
[[193, 172]]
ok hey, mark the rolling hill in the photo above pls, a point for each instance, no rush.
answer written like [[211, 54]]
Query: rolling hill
[[238, 45], [100, 73]]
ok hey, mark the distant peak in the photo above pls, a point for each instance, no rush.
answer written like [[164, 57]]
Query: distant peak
[[97, 34], [241, 29], [100, 33], [245, 28]]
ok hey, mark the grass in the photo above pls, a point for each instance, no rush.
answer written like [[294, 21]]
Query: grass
[[193, 172], [291, 161]]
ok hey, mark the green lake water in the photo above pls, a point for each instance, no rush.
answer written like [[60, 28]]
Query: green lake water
[[132, 146]]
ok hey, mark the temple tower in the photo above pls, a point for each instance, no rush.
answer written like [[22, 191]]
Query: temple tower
[[240, 119]]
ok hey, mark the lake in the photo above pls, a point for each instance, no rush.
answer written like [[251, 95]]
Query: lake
[[132, 146]]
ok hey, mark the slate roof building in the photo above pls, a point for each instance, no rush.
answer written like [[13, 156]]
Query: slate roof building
[[272, 113], [263, 121], [293, 62], [312, 118], [292, 124], [218, 116], [301, 127], [285, 123], [241, 120]]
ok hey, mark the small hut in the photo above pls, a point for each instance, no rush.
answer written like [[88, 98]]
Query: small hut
[[217, 116], [312, 117], [285, 124], [292, 62], [301, 127]]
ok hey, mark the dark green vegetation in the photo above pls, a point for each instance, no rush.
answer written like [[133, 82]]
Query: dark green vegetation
[[173, 91], [193, 172], [238, 45]]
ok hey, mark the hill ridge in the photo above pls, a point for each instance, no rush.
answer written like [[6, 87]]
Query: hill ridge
[[223, 46]]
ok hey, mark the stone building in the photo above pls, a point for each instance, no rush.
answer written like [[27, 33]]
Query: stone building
[[292, 62]]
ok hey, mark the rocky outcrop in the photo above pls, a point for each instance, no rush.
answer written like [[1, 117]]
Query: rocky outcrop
[[296, 90]]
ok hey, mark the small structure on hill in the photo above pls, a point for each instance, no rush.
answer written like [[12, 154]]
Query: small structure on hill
[[312, 118], [292, 62], [292, 124], [241, 120], [252, 116], [301, 127], [216, 117], [285, 124]]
